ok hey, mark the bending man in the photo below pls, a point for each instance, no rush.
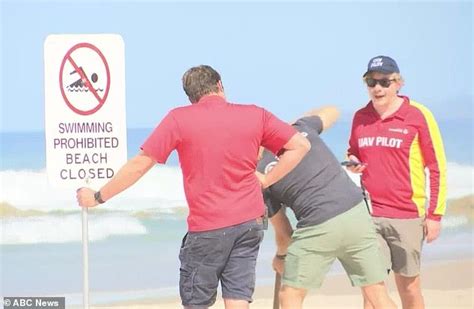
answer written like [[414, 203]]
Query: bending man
[[333, 222]]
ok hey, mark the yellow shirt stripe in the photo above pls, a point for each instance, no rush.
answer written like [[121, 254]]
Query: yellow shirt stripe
[[440, 156], [417, 176]]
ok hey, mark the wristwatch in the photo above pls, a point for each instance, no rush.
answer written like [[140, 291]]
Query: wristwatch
[[281, 256], [98, 198]]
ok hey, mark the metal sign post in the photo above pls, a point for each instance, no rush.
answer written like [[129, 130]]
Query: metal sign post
[[276, 291], [85, 258]]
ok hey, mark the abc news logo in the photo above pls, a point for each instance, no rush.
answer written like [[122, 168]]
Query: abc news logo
[[34, 302]]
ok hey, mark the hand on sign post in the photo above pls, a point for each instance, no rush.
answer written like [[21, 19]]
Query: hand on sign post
[[85, 197]]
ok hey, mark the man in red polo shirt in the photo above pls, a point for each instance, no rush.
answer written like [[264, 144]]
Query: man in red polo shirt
[[217, 144]]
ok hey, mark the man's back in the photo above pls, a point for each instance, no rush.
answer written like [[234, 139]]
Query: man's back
[[318, 189], [217, 144]]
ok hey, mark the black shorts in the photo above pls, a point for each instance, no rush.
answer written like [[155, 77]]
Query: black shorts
[[228, 255]]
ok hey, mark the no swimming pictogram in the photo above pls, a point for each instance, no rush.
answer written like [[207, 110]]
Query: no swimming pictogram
[[84, 79]]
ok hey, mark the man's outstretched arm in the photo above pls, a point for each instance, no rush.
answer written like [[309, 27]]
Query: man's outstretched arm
[[328, 114], [128, 174]]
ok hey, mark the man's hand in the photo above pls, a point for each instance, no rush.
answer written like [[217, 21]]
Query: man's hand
[[356, 168], [85, 197], [278, 265], [262, 179], [432, 229]]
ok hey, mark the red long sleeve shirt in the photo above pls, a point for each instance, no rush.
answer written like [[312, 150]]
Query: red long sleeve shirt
[[397, 150]]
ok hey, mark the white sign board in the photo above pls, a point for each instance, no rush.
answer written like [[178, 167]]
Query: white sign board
[[85, 126]]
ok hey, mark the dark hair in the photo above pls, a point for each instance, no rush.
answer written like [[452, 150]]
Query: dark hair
[[199, 81]]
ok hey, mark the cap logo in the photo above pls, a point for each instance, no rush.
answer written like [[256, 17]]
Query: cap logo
[[377, 62]]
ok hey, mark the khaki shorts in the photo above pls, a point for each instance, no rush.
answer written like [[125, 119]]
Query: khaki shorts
[[401, 241], [350, 237]]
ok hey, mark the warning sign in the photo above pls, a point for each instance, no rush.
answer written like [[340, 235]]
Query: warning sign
[[84, 108]]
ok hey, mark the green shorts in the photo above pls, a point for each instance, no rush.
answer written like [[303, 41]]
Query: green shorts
[[350, 237]]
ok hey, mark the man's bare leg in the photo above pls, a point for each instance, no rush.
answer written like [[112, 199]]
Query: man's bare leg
[[409, 289], [292, 298], [376, 297], [236, 304], [367, 303]]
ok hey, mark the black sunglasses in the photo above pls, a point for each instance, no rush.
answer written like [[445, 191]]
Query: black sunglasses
[[384, 82]]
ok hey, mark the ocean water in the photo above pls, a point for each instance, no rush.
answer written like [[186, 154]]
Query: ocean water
[[135, 238]]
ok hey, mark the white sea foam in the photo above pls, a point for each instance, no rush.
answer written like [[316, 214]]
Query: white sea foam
[[68, 228], [454, 222], [160, 188], [159, 192], [460, 180]]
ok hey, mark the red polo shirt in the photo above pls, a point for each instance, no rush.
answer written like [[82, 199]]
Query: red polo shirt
[[397, 150], [217, 144]]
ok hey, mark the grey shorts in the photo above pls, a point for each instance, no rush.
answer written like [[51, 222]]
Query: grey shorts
[[401, 241], [228, 255]]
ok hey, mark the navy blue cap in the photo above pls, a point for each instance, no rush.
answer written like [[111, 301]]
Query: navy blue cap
[[382, 64]]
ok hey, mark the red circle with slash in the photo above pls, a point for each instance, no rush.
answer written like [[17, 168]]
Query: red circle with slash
[[100, 101]]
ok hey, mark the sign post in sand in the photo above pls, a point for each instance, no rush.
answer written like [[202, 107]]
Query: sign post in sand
[[85, 126], [276, 291]]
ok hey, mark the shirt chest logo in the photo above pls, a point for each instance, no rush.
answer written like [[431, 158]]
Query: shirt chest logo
[[398, 130], [380, 141]]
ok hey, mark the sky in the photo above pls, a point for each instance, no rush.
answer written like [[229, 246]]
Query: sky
[[286, 56]]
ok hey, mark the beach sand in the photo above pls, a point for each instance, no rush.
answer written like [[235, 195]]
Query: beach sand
[[445, 285]]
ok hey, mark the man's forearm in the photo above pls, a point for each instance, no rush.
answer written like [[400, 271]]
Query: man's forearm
[[283, 231], [328, 114], [130, 173], [283, 240], [294, 152], [288, 161]]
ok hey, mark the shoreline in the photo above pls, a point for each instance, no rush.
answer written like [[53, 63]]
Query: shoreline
[[446, 284]]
